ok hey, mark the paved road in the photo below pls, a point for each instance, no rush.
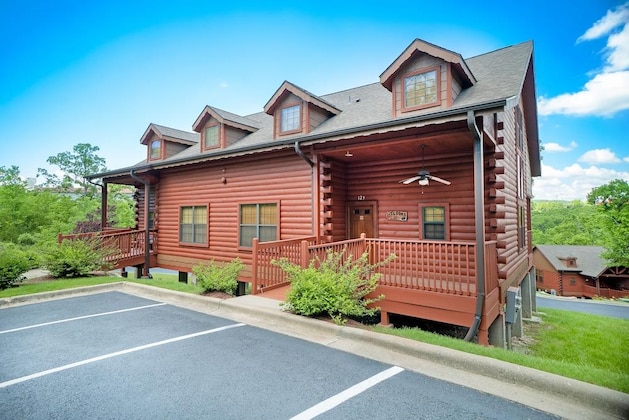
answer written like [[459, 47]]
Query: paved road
[[114, 355], [586, 306]]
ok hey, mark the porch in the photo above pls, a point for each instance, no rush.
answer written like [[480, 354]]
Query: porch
[[125, 247], [433, 280]]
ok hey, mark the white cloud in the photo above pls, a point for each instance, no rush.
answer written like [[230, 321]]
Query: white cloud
[[626, 159], [223, 85], [604, 95], [573, 182], [607, 23], [608, 90], [599, 156], [556, 147]]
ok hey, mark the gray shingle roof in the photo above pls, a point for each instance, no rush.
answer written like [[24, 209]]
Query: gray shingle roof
[[500, 75], [177, 134], [589, 261]]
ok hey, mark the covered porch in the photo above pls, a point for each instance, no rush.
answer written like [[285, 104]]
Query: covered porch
[[431, 280]]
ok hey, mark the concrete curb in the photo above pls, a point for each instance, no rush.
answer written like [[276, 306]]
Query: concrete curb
[[551, 393]]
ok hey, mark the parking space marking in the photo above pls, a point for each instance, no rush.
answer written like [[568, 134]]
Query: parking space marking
[[341, 397], [115, 354], [82, 317]]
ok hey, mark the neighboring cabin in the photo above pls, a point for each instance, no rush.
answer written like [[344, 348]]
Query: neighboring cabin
[[575, 270], [318, 171]]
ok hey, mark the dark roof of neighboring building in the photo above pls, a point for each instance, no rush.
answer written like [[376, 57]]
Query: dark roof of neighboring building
[[588, 258], [499, 79]]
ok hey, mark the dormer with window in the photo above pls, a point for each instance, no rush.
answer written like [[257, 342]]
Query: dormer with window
[[220, 129], [297, 111], [426, 77], [164, 142]]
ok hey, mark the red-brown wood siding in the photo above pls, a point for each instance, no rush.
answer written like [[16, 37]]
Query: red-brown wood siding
[[283, 178]]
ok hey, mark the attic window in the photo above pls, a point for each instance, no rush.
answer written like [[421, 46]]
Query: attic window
[[421, 89], [290, 119], [156, 149], [210, 139]]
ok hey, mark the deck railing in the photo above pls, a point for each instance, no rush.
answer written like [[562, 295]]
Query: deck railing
[[122, 244], [443, 267], [265, 274]]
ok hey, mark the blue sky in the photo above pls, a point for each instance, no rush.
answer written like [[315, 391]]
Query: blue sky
[[100, 72]]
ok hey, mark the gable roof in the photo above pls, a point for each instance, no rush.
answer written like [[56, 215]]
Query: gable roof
[[170, 134], [224, 117], [363, 110], [589, 261], [420, 46], [288, 87]]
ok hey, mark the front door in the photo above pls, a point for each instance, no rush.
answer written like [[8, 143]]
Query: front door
[[362, 220]]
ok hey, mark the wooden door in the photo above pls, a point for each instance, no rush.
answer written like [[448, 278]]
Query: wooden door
[[361, 220]]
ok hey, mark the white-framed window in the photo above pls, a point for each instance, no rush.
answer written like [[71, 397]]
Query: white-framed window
[[421, 89], [211, 137], [156, 149], [290, 118]]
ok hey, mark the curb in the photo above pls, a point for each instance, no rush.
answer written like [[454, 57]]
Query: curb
[[545, 391]]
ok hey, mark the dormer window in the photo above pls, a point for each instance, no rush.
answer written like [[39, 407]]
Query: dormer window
[[421, 89], [156, 149], [290, 119], [211, 137]]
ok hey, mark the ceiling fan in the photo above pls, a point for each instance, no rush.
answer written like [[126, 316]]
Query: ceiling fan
[[423, 176]]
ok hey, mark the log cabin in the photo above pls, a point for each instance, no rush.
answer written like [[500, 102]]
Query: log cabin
[[433, 162], [578, 271]]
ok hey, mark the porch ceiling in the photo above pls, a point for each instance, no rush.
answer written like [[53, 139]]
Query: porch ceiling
[[407, 143]]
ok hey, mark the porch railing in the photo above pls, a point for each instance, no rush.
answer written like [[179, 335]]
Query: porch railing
[[443, 267], [123, 244], [265, 274]]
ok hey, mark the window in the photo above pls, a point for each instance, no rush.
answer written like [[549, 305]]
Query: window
[[211, 137], [421, 89], [258, 221], [193, 224], [434, 222], [151, 219], [156, 149], [521, 227], [290, 118]]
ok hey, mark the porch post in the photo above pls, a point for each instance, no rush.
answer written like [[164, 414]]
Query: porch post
[[254, 267], [103, 206]]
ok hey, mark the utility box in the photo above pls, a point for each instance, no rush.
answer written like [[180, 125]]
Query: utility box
[[514, 304]]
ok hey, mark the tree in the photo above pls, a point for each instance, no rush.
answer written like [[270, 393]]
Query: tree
[[76, 166], [566, 223], [612, 201]]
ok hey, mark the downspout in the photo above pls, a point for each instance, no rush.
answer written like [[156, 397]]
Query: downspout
[[479, 213], [147, 235], [302, 155]]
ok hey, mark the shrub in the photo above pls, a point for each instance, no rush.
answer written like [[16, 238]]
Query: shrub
[[77, 258], [336, 286], [13, 264], [212, 277]]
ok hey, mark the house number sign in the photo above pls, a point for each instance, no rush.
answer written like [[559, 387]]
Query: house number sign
[[397, 215]]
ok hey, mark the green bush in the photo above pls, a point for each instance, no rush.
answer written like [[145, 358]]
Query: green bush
[[13, 264], [212, 277], [77, 258], [336, 286]]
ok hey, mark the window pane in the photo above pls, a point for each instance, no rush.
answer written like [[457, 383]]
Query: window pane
[[248, 214], [156, 149], [268, 233], [200, 215], [200, 234], [434, 232], [185, 233], [420, 89], [268, 214], [186, 215], [247, 233], [290, 118], [211, 136]]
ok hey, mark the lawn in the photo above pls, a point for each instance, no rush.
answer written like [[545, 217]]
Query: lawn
[[589, 348]]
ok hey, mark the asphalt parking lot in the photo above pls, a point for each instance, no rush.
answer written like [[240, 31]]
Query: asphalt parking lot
[[115, 355]]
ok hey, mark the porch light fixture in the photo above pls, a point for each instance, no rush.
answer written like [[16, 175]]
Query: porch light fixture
[[348, 154]]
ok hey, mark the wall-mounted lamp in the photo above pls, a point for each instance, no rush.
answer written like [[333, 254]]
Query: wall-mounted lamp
[[348, 154]]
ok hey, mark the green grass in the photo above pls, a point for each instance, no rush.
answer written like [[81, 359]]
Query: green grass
[[589, 348]]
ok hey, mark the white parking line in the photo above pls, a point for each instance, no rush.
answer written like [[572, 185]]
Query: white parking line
[[341, 397], [81, 317], [115, 354]]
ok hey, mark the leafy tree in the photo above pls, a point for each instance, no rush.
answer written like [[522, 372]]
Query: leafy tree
[[612, 201], [566, 223], [76, 166]]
